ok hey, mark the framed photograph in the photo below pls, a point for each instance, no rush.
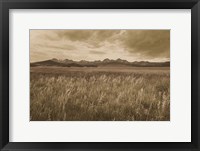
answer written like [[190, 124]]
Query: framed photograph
[[99, 75]]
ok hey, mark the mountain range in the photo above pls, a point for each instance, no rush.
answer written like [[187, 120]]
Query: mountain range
[[99, 63]]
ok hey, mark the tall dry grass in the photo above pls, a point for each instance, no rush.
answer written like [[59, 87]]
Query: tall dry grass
[[100, 96]]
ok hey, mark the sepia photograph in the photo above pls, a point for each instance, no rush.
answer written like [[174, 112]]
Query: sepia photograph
[[99, 75]]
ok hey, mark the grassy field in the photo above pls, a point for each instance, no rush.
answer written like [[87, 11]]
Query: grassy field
[[99, 94]]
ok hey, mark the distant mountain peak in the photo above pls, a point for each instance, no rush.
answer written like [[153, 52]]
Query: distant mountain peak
[[106, 60], [54, 59], [68, 60], [83, 61], [121, 60]]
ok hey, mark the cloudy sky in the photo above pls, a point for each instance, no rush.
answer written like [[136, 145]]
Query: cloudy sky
[[132, 45]]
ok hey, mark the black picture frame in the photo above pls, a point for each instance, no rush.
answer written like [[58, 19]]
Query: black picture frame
[[5, 5]]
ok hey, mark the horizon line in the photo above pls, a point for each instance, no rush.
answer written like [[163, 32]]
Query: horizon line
[[101, 60]]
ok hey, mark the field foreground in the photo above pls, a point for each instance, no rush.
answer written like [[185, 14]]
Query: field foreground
[[99, 94]]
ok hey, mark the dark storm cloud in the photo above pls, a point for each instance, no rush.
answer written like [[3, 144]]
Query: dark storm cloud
[[102, 35], [84, 35], [74, 35], [149, 43]]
